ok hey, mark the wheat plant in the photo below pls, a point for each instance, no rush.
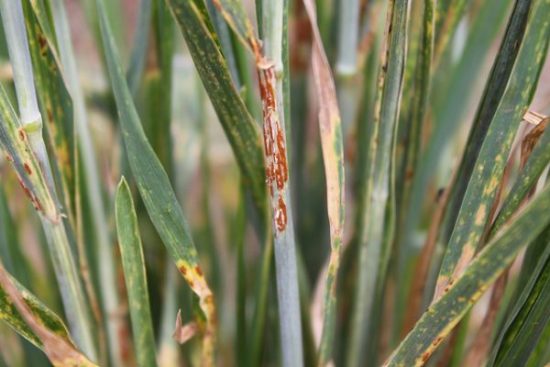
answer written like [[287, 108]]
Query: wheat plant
[[274, 183]]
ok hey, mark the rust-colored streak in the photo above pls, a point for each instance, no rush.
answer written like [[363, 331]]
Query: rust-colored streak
[[268, 140], [9, 158], [281, 170], [22, 134], [27, 168], [43, 44], [183, 270], [34, 200], [267, 91], [198, 270], [281, 216]]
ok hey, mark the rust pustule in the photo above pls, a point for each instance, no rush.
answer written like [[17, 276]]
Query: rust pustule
[[34, 200], [27, 168], [42, 43], [198, 270], [281, 171], [281, 215], [183, 270], [22, 134], [50, 114], [425, 357]]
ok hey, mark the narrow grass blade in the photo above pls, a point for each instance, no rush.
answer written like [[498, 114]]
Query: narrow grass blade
[[379, 157], [448, 16], [140, 45], [500, 116], [55, 101], [26, 315], [157, 99], [156, 191], [529, 317], [92, 191], [240, 128], [131, 252], [449, 101], [333, 156], [438, 321]]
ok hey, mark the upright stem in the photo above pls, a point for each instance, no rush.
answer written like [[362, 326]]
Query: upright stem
[[271, 85], [348, 36], [106, 270], [72, 295]]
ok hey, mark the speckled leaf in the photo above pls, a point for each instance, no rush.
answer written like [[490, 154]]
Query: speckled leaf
[[376, 202], [10, 315], [54, 98], [15, 144], [438, 321], [35, 322], [534, 166], [489, 166], [155, 189], [131, 252]]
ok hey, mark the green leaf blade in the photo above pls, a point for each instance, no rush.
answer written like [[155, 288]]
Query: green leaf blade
[[133, 263]]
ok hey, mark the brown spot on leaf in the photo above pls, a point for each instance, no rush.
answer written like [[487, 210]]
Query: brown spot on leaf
[[198, 270], [281, 215], [27, 168]]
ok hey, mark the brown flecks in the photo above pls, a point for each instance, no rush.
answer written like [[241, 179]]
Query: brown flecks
[[34, 200], [27, 168], [190, 282], [42, 43], [437, 341], [9, 158], [198, 270], [22, 134], [209, 299], [280, 215], [50, 114], [425, 357], [267, 90], [183, 270]]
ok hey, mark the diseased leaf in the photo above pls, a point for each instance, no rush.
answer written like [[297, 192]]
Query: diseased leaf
[[438, 321], [333, 155], [26, 315], [156, 191], [504, 111]]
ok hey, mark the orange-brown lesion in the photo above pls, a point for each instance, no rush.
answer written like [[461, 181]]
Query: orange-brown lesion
[[193, 275], [281, 218]]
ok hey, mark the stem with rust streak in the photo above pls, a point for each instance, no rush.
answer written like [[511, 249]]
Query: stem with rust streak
[[270, 75]]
